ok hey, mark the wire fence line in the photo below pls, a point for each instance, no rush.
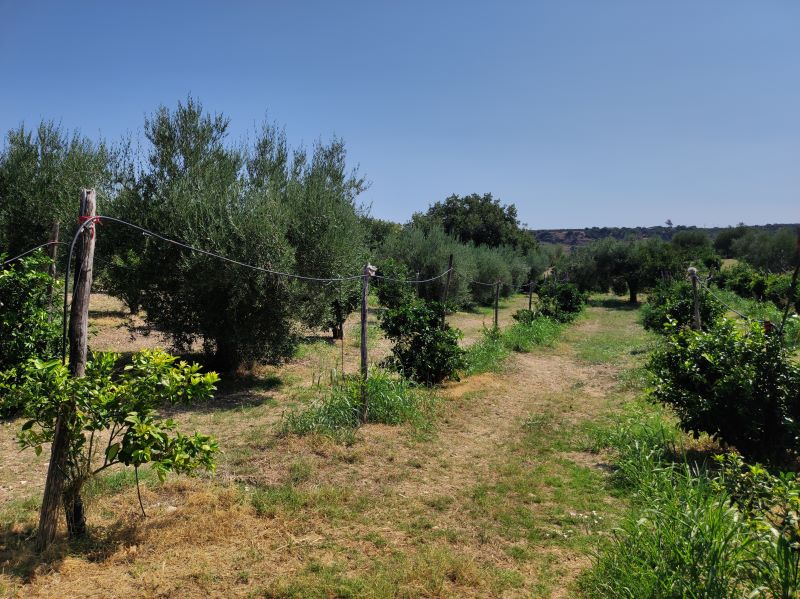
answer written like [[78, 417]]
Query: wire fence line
[[707, 289], [216, 255], [30, 251]]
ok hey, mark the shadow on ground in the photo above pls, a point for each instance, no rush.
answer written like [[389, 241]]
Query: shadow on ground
[[613, 303]]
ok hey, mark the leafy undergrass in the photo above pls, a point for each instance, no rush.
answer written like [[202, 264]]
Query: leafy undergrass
[[684, 535], [495, 345], [336, 410]]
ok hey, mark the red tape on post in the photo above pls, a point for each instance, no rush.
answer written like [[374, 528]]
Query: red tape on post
[[93, 219]]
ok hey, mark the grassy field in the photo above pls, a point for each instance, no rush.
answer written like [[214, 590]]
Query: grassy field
[[501, 495]]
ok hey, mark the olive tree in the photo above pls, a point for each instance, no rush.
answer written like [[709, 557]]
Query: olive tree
[[193, 188], [41, 173], [324, 227]]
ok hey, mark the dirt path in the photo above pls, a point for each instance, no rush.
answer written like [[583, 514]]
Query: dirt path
[[495, 502]]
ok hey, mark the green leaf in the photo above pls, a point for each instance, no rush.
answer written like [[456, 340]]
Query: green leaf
[[112, 451]]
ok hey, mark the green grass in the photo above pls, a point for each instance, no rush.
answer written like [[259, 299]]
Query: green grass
[[430, 571], [116, 482], [336, 410], [684, 535], [495, 345], [620, 336], [373, 334]]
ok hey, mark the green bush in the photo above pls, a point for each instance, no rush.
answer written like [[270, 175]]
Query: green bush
[[738, 385], [524, 316], [425, 350], [674, 304], [112, 417], [393, 294], [27, 329], [560, 301]]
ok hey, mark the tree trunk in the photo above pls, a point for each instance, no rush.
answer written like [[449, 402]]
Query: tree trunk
[[633, 294], [74, 512], [225, 357], [337, 332]]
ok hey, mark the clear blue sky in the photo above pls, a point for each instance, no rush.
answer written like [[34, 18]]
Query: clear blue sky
[[601, 112]]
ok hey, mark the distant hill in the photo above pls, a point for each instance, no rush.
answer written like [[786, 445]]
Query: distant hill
[[574, 237]]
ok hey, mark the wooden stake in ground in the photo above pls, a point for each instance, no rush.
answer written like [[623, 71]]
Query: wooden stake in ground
[[496, 302], [793, 286], [530, 295], [447, 289], [78, 335], [369, 271], [52, 251], [696, 324]]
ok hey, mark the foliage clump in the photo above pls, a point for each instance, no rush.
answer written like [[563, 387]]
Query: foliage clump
[[425, 348], [28, 329], [672, 305], [560, 300], [390, 286], [739, 385], [726, 529], [113, 417]]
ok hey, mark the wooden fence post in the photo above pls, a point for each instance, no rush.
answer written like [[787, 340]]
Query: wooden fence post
[[52, 251], [78, 336], [416, 285], [369, 271], [496, 302], [447, 289], [530, 295], [696, 324]]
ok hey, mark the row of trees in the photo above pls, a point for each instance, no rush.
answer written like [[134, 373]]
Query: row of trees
[[636, 265], [262, 203]]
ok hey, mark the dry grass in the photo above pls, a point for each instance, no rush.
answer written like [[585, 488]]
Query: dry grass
[[495, 502]]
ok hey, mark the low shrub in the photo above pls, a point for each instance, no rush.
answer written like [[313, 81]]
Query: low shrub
[[425, 350], [392, 293], [673, 304], [739, 385], [524, 316], [560, 301]]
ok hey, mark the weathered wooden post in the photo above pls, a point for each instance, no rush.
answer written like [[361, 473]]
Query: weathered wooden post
[[52, 252], [78, 336], [530, 295], [696, 324], [369, 271], [496, 303], [447, 289]]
